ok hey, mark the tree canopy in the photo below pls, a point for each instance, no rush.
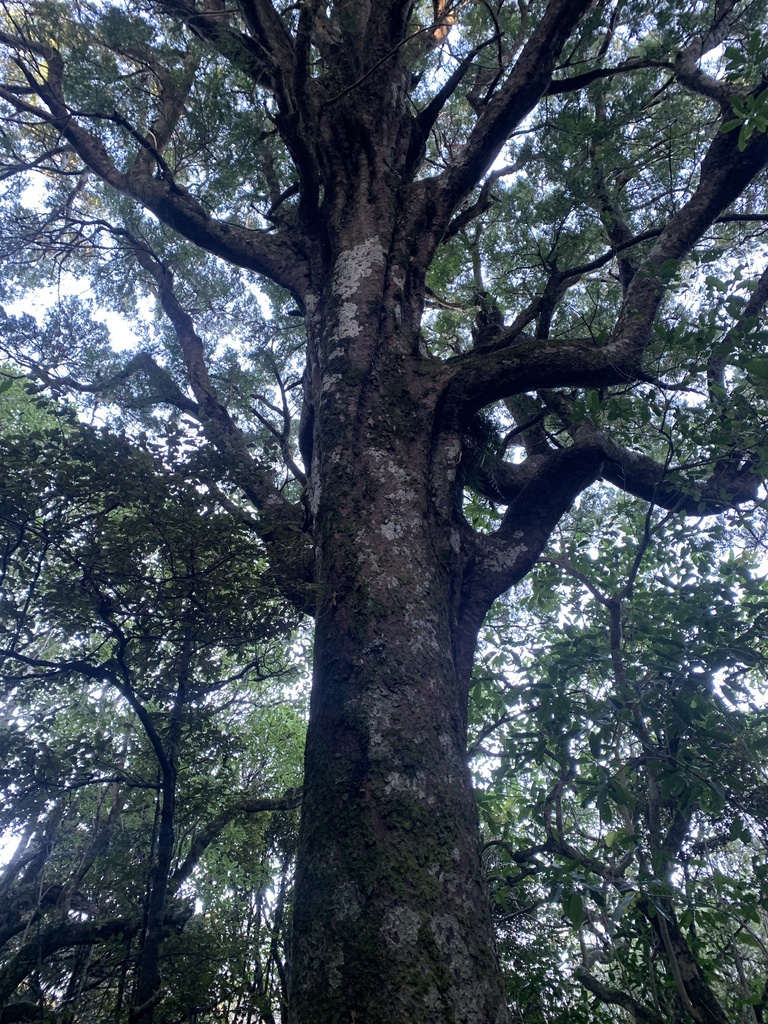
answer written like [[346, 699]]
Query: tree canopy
[[146, 717], [442, 326]]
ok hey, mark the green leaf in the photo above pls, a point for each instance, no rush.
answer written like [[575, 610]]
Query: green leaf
[[574, 909], [623, 905]]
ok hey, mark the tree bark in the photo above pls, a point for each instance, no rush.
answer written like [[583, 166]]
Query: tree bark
[[392, 921]]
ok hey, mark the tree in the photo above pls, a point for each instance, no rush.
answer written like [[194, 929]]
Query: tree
[[623, 786], [510, 235], [143, 709]]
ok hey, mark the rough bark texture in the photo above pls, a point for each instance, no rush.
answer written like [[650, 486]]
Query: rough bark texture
[[391, 915], [391, 918]]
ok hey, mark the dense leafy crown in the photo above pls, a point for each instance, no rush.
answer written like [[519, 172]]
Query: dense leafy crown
[[589, 210]]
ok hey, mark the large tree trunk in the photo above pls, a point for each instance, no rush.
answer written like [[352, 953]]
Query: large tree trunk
[[392, 921]]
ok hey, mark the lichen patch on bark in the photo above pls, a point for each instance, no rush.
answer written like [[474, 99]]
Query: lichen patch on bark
[[400, 927], [347, 904], [312, 304], [330, 382], [414, 785], [468, 993], [355, 264], [348, 327], [504, 560]]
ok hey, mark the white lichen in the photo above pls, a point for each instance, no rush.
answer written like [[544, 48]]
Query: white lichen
[[432, 999], [347, 325], [452, 457], [329, 382], [502, 560], [355, 264], [347, 905], [315, 491], [469, 993], [414, 785], [400, 927], [312, 304]]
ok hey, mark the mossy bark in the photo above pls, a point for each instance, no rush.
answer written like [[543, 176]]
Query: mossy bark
[[391, 920]]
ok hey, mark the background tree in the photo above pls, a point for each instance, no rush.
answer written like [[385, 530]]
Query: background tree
[[506, 232], [637, 833], [145, 720]]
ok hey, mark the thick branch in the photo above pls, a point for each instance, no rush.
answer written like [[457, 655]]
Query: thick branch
[[48, 941], [690, 980], [65, 934], [172, 98], [211, 832], [690, 75], [275, 42], [502, 559], [254, 57], [280, 522], [616, 997], [280, 258], [725, 173], [18, 1012], [165, 390], [559, 86], [272, 60], [425, 120], [481, 377], [526, 84], [732, 482]]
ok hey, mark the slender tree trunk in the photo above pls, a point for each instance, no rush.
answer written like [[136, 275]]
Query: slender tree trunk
[[149, 992], [148, 984]]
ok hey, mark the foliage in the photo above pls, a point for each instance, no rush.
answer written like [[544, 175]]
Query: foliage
[[623, 777], [143, 672]]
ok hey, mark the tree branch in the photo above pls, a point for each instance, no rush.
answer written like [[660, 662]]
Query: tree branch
[[252, 57], [481, 377], [280, 522], [559, 86], [732, 482], [690, 75], [425, 120], [526, 83], [500, 560], [64, 934], [99, 673], [616, 997], [210, 833], [165, 389], [279, 257]]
